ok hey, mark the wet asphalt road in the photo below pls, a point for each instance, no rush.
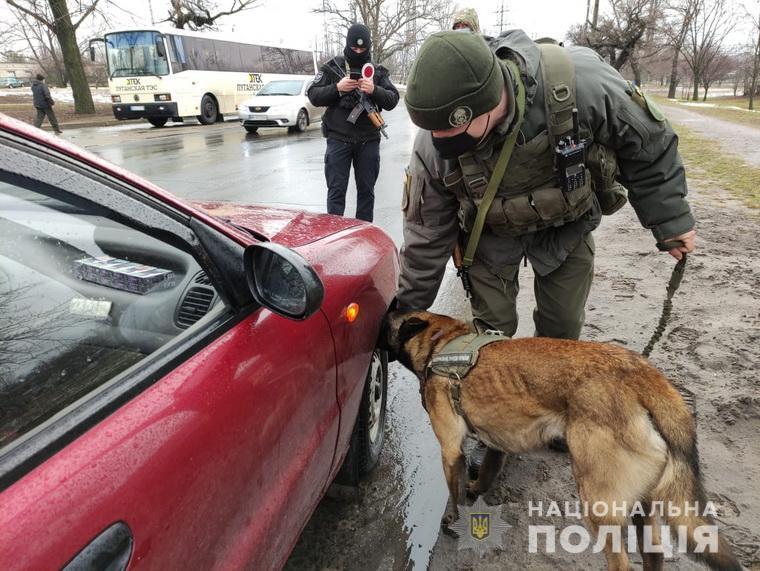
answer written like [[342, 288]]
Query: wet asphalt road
[[392, 521]]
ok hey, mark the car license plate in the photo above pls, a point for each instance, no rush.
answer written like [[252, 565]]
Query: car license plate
[[138, 107], [257, 117]]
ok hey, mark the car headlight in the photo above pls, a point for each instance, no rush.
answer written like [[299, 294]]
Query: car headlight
[[162, 97], [116, 98]]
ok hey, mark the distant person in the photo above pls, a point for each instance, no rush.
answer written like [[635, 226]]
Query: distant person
[[352, 138], [43, 102], [466, 19]]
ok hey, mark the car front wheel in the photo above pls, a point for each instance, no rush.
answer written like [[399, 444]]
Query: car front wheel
[[302, 121], [369, 431]]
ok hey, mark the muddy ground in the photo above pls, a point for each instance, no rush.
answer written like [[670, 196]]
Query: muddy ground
[[711, 346]]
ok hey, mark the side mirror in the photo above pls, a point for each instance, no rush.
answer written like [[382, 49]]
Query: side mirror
[[92, 47], [282, 281], [160, 49]]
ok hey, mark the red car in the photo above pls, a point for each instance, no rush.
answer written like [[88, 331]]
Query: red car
[[178, 384]]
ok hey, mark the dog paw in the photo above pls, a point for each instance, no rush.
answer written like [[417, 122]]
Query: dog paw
[[449, 517]]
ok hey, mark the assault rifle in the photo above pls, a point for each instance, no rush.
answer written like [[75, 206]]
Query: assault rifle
[[365, 104]]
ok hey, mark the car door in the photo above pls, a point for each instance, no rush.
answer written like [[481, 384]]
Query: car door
[[315, 113], [149, 405]]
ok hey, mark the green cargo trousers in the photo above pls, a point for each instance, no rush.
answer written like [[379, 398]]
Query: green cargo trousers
[[560, 296]]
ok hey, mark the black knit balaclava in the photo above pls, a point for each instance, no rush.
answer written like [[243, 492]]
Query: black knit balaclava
[[358, 37]]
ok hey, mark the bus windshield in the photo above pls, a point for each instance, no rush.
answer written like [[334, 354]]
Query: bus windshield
[[134, 53], [284, 87]]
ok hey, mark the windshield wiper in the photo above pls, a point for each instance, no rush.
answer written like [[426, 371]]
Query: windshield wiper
[[119, 69]]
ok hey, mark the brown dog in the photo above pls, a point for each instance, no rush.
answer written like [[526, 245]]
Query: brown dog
[[630, 435]]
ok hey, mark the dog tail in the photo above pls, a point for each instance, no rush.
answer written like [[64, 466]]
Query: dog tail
[[680, 488]]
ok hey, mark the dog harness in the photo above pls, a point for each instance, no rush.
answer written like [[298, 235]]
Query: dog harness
[[457, 358]]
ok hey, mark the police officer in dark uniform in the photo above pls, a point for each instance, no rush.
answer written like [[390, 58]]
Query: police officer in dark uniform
[[347, 142]]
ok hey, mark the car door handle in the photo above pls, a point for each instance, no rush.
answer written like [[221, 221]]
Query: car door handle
[[109, 551]]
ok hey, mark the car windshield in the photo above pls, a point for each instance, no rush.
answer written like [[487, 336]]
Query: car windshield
[[284, 87], [134, 53]]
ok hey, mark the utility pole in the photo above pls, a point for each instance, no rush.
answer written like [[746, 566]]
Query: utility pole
[[150, 9], [500, 13]]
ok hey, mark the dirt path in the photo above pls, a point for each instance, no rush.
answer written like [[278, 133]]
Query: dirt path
[[733, 138], [711, 346]]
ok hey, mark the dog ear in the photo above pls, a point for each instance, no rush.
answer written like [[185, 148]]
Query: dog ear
[[410, 328]]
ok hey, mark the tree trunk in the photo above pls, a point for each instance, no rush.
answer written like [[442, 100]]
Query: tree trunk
[[72, 59], [674, 76], [695, 93], [636, 72]]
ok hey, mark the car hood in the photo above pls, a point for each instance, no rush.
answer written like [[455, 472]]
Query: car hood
[[272, 100], [291, 228]]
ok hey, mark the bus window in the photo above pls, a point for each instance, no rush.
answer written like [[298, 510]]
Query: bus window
[[251, 56], [228, 56], [134, 53]]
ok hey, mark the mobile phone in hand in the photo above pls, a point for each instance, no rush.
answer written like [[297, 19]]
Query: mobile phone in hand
[[355, 74]]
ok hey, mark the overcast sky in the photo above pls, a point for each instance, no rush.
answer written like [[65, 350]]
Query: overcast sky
[[293, 23]]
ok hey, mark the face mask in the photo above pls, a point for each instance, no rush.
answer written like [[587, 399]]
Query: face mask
[[354, 59], [453, 147]]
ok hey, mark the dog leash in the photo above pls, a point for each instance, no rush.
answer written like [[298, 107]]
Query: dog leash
[[673, 284]]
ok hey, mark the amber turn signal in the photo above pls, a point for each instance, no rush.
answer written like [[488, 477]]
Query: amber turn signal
[[352, 312]]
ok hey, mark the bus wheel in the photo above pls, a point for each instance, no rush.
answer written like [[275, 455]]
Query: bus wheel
[[209, 111], [302, 121], [251, 129], [158, 121]]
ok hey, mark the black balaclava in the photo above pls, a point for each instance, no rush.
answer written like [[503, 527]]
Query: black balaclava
[[358, 37]]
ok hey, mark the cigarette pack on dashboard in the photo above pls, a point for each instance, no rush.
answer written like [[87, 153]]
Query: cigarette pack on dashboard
[[123, 274]]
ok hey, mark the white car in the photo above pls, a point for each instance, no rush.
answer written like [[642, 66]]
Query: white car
[[280, 103]]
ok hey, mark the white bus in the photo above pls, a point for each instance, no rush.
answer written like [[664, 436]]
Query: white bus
[[177, 74]]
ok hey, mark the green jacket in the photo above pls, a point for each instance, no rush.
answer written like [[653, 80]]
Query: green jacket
[[648, 160]]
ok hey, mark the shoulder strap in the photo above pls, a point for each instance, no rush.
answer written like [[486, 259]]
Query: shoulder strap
[[499, 169], [558, 74]]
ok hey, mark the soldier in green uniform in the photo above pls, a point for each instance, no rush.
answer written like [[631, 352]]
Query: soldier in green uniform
[[478, 101], [466, 19]]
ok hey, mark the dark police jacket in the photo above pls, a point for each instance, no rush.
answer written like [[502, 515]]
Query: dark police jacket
[[324, 93]]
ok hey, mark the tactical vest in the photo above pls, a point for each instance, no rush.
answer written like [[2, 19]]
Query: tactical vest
[[529, 197]]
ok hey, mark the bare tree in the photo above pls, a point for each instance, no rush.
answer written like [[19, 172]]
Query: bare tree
[[681, 12], [754, 67], [41, 44], [708, 28], [203, 14], [717, 68], [64, 23], [395, 25], [619, 35]]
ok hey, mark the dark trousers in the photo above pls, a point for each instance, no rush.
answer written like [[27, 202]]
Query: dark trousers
[[46, 111], [366, 160]]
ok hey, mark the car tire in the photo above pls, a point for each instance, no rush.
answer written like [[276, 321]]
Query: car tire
[[369, 430], [158, 121], [209, 111], [251, 129], [302, 121]]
